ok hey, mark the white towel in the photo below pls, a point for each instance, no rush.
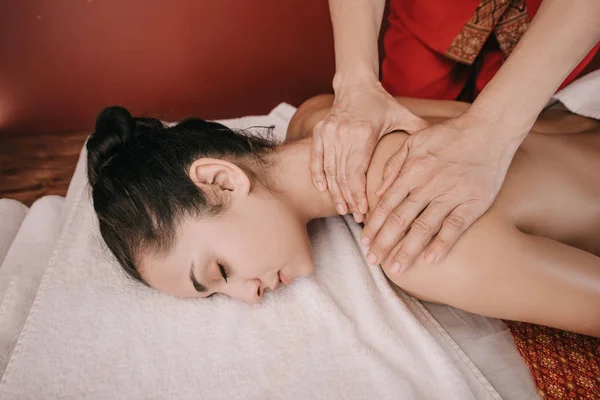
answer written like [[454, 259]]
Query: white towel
[[342, 333], [23, 269], [12, 214], [582, 96]]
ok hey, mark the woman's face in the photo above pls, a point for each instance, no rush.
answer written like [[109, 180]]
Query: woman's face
[[256, 243]]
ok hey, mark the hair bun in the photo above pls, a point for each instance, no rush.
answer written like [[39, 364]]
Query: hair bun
[[114, 128]]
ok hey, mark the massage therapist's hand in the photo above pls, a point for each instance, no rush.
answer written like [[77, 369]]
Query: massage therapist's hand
[[438, 184], [344, 141]]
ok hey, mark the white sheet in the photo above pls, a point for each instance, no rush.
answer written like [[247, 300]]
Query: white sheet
[[23, 269], [490, 346], [343, 333]]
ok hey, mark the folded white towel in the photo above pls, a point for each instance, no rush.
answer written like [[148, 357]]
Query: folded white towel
[[12, 214], [23, 268], [582, 96], [342, 333]]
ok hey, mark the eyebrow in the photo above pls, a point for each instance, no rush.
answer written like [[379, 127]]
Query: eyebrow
[[200, 288]]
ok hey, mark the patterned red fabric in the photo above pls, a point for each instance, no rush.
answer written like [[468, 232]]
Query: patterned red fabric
[[507, 19], [564, 365]]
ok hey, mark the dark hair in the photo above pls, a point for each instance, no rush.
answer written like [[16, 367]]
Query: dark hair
[[138, 171]]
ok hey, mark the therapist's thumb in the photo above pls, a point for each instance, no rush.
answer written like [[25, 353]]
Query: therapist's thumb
[[404, 120], [392, 169]]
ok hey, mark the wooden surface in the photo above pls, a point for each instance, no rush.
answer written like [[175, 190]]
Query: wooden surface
[[32, 166]]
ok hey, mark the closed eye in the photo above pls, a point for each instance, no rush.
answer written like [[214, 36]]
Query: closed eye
[[223, 271], [200, 288]]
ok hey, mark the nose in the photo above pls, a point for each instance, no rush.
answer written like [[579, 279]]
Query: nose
[[253, 292]]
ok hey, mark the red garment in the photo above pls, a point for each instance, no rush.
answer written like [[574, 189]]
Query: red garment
[[432, 46]]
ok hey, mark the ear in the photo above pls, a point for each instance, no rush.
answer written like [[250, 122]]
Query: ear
[[220, 177]]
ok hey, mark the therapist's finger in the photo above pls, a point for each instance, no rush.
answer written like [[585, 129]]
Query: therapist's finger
[[394, 228], [356, 171], [392, 169], [453, 227], [342, 180], [330, 174], [384, 207], [316, 159], [421, 231]]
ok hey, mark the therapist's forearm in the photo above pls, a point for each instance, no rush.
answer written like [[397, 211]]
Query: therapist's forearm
[[559, 37], [356, 25]]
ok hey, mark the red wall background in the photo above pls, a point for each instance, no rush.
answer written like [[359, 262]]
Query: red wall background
[[62, 61]]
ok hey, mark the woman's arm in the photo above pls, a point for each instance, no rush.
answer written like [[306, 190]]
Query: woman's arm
[[497, 271]]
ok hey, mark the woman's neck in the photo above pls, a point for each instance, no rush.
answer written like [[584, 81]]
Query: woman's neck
[[292, 182]]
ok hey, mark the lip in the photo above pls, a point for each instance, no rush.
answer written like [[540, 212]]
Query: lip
[[284, 279], [277, 283]]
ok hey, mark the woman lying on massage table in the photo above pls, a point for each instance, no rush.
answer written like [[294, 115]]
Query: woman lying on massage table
[[197, 209]]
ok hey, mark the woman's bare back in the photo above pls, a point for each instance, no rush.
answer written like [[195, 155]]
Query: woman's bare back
[[552, 188]]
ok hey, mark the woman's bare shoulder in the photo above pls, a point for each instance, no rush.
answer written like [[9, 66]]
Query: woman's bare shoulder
[[316, 108], [558, 120], [308, 114]]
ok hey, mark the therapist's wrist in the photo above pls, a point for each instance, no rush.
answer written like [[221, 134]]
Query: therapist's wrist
[[505, 107], [504, 124], [345, 80]]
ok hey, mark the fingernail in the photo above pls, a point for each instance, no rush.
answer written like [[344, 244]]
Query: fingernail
[[320, 186], [396, 267], [356, 218], [365, 241], [371, 259], [430, 257], [340, 209]]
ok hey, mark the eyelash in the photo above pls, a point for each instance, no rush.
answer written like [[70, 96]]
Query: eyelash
[[223, 271]]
